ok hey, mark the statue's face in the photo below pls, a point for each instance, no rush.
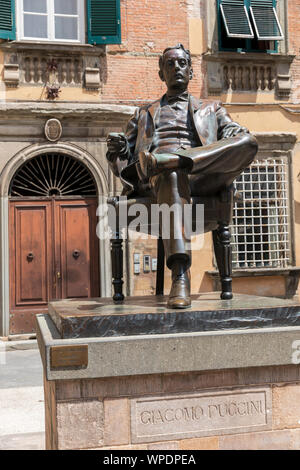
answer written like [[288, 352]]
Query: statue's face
[[176, 71]]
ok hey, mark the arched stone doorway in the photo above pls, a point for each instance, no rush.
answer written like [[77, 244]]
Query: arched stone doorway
[[53, 247]]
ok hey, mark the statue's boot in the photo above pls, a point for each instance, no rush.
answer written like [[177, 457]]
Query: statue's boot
[[179, 296], [154, 163]]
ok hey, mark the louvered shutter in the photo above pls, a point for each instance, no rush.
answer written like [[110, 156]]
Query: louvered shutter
[[7, 19], [236, 19], [265, 20], [104, 25]]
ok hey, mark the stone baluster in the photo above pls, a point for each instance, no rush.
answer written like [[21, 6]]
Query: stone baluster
[[59, 71], [252, 78], [265, 78], [77, 73], [26, 70], [68, 70], [63, 72], [80, 71], [29, 71], [261, 78], [240, 78], [72, 72], [35, 77], [247, 79], [39, 70], [272, 78], [232, 78], [256, 78], [226, 78]]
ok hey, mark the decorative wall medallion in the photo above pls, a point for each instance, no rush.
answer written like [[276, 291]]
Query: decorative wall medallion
[[53, 130]]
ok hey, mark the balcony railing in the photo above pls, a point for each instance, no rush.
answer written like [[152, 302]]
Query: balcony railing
[[250, 77], [249, 72], [38, 70], [37, 65]]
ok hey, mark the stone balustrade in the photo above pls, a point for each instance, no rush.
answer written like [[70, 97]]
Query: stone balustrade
[[40, 65], [249, 72], [248, 77], [38, 70]]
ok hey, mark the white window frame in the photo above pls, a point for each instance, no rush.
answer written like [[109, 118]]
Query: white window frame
[[268, 38], [50, 24], [232, 35]]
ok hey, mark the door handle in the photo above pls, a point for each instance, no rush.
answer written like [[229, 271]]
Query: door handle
[[76, 254], [58, 275], [30, 256]]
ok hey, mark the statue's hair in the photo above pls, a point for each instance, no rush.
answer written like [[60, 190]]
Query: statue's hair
[[178, 46]]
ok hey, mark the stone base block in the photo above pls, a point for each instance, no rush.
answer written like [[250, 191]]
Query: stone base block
[[176, 411], [229, 389]]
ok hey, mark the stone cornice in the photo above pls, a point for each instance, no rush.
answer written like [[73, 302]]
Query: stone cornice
[[51, 48], [67, 109], [247, 57]]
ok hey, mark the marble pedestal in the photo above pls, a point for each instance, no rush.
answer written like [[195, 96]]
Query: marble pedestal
[[221, 375]]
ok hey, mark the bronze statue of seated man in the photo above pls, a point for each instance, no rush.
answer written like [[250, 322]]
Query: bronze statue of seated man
[[179, 146]]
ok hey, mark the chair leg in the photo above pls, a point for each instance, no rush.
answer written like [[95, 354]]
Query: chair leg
[[160, 267], [117, 267], [221, 239]]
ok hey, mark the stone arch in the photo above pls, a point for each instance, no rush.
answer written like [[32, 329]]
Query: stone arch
[[64, 148]]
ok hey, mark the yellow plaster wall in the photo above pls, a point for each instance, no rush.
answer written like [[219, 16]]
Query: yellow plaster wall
[[262, 286], [35, 93], [265, 118], [2, 85], [197, 41]]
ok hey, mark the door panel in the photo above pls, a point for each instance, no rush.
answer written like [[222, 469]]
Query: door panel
[[31, 255], [54, 255], [30, 267], [76, 233]]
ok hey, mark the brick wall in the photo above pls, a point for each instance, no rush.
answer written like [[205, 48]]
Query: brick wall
[[131, 69], [294, 46]]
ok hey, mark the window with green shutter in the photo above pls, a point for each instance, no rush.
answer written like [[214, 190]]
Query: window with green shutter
[[265, 20], [7, 19], [103, 19], [248, 25], [236, 19]]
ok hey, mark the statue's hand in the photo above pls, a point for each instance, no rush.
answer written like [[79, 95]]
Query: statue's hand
[[234, 131], [117, 146]]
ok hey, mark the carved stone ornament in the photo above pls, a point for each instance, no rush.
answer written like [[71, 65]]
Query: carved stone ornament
[[53, 130]]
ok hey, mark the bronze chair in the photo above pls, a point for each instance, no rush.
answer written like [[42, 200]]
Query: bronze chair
[[217, 217]]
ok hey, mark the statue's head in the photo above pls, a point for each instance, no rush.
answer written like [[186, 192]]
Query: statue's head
[[175, 67]]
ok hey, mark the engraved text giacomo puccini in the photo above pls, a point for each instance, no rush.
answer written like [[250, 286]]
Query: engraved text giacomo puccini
[[224, 409]]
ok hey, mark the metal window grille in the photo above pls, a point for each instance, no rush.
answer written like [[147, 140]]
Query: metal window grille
[[260, 226]]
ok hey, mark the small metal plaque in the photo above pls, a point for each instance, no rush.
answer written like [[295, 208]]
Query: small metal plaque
[[69, 356]]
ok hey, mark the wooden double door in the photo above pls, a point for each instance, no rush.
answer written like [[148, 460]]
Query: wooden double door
[[54, 254]]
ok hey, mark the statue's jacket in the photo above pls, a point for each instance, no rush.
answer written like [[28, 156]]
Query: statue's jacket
[[210, 119]]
